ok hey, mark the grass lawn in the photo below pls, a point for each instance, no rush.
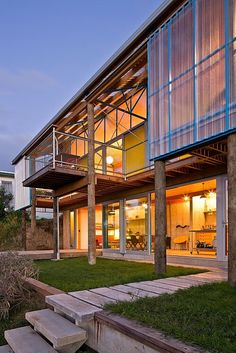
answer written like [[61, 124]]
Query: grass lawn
[[205, 315], [76, 274]]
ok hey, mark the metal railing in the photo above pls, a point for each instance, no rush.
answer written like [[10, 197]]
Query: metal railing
[[63, 150]]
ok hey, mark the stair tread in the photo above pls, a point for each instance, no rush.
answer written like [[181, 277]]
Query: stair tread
[[58, 330], [26, 340], [6, 349], [92, 298], [74, 308]]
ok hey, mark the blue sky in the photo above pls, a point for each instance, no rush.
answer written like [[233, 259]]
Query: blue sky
[[48, 50]]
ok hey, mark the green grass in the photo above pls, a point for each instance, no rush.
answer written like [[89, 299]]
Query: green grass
[[205, 315], [76, 274]]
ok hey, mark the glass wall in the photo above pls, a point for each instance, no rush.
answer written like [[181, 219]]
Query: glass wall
[[136, 215], [111, 224], [192, 66], [191, 219]]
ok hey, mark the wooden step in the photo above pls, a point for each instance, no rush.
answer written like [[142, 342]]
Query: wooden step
[[26, 340], [58, 330], [72, 307], [6, 349]]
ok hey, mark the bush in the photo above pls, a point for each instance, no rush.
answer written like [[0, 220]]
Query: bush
[[14, 270], [10, 232]]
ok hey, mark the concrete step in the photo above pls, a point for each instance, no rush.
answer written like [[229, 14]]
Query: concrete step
[[26, 340], [62, 333], [92, 298], [6, 349], [74, 308]]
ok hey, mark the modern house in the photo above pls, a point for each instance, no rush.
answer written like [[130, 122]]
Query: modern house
[[159, 118], [7, 182]]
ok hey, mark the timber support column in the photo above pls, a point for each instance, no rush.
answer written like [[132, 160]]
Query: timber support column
[[91, 188], [231, 169], [160, 217], [55, 238]]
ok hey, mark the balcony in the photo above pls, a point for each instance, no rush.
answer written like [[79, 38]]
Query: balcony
[[61, 159]]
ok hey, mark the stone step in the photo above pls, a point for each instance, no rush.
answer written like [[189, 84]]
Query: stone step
[[74, 308], [26, 340], [92, 298], [6, 349], [113, 294], [134, 291], [58, 330]]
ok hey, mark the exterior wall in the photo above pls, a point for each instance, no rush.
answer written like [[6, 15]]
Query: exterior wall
[[22, 194], [192, 77]]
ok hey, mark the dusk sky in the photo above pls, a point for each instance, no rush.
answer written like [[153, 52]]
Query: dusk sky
[[48, 50]]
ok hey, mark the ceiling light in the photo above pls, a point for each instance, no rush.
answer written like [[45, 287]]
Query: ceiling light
[[109, 160]]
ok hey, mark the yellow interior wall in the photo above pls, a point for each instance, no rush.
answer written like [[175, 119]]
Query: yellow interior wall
[[135, 157]]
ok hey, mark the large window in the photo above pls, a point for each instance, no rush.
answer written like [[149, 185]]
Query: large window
[[136, 214], [192, 65]]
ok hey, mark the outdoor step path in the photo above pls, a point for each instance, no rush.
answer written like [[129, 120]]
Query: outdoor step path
[[74, 308], [92, 298], [132, 291], [26, 340], [58, 330]]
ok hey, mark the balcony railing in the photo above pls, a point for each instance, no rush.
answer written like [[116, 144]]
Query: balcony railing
[[70, 152]]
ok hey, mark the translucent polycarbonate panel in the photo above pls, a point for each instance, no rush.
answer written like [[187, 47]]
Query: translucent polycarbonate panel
[[159, 60], [158, 123], [232, 84], [181, 42], [192, 76], [211, 96], [232, 18], [210, 26], [182, 117]]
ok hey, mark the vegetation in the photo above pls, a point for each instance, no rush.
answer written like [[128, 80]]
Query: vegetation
[[76, 274], [5, 203], [205, 315], [10, 223], [14, 270], [17, 315]]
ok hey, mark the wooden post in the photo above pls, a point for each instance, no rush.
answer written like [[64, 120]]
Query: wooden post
[[160, 217], [33, 212], [56, 243], [91, 188], [231, 169], [23, 229]]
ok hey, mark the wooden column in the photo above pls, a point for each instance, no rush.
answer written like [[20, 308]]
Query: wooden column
[[33, 212], [23, 229], [56, 243], [160, 217], [91, 188], [231, 169]]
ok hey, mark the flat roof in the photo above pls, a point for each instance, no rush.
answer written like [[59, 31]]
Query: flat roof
[[140, 36], [6, 174]]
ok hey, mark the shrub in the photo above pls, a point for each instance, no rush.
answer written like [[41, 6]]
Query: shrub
[[10, 232], [14, 270]]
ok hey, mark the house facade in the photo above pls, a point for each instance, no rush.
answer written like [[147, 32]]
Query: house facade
[[7, 182], [165, 99]]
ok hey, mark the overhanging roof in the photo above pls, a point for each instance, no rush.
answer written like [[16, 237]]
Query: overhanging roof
[[130, 46]]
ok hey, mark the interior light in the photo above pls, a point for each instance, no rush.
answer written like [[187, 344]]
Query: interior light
[[109, 160], [186, 198], [144, 205], [212, 194]]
